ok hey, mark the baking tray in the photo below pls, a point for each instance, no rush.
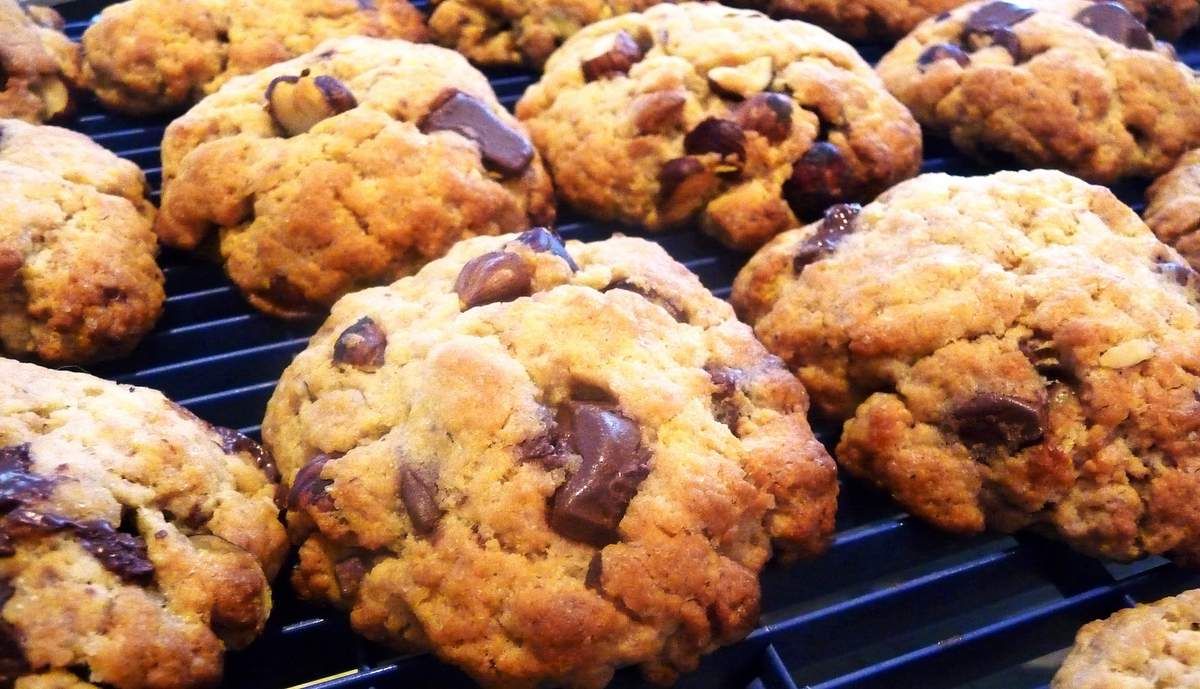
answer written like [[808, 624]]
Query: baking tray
[[893, 604]]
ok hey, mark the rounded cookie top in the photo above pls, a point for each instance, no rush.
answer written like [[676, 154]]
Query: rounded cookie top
[[146, 56], [346, 167], [38, 64], [78, 277], [545, 462], [1011, 351], [875, 20], [1070, 84], [1173, 207], [1154, 645], [136, 541], [698, 112]]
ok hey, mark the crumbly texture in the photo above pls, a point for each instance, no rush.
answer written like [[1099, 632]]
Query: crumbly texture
[[1013, 351], [1173, 207], [136, 541], [39, 66], [1147, 647], [78, 277], [726, 118], [147, 56], [411, 380], [1053, 93], [362, 198]]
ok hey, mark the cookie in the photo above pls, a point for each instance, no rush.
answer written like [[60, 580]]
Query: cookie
[[1168, 19], [1069, 84], [1173, 207], [350, 166], [39, 66], [136, 541], [1155, 645], [78, 277], [148, 56], [1008, 352], [697, 113], [544, 462]]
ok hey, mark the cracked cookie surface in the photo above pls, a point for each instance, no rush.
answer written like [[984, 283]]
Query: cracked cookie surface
[[1173, 207], [347, 167], [702, 113], [38, 64], [78, 277], [1075, 85], [1013, 351], [147, 56], [544, 462], [136, 541], [1149, 646]]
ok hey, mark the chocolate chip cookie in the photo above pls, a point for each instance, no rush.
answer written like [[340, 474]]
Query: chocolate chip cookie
[[1013, 351], [350, 166], [1173, 207], [1071, 84], [702, 113], [1155, 645], [78, 277], [39, 66], [136, 541], [546, 461], [147, 56]]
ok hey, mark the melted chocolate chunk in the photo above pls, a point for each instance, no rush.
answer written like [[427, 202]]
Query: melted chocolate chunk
[[769, 114], [1112, 20], [120, 553], [309, 490], [652, 296], [839, 221], [349, 574], [233, 442], [17, 485], [493, 277], [362, 345], [504, 149], [552, 449], [819, 179], [1001, 421], [715, 135], [1045, 359], [942, 51], [545, 240], [616, 61], [998, 15], [590, 505], [725, 382], [419, 495]]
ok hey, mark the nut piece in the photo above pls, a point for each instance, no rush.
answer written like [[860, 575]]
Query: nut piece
[[819, 179], [362, 345], [493, 277], [1128, 353], [742, 81], [617, 60], [684, 185], [723, 137], [504, 149], [659, 111], [297, 104], [769, 114]]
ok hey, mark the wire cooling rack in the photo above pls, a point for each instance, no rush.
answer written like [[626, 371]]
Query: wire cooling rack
[[893, 605]]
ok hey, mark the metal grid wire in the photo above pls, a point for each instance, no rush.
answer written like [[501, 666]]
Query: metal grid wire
[[893, 605]]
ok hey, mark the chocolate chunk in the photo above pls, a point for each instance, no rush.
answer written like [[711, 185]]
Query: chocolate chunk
[[17, 485], [13, 663], [942, 51], [994, 420], [505, 150], [998, 15], [233, 442], [594, 579], [1112, 20], [552, 449], [309, 490], [676, 173], [658, 111], [839, 221], [543, 240], [590, 505], [419, 495], [493, 277], [120, 553], [349, 574], [769, 114], [362, 345], [297, 104], [15, 458], [819, 178], [725, 382], [651, 295], [1179, 272], [715, 135], [1044, 357], [617, 60]]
